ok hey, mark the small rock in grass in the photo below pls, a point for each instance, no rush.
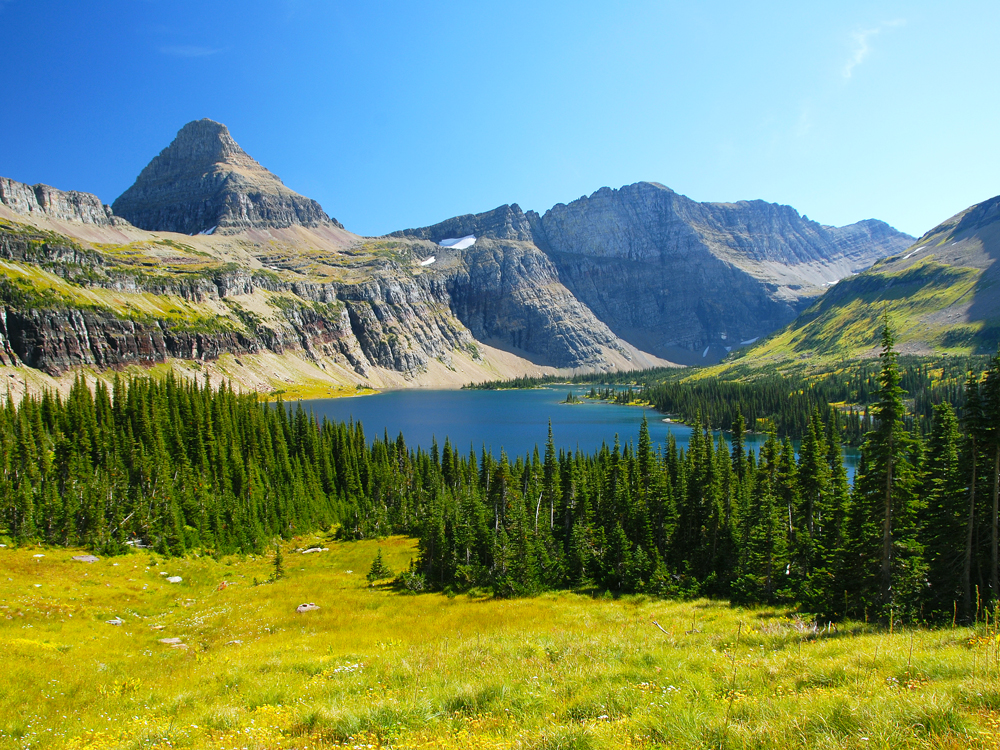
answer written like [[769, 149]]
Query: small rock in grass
[[38, 555], [174, 579], [115, 621], [86, 558], [312, 549], [234, 643], [306, 607], [157, 627], [170, 641]]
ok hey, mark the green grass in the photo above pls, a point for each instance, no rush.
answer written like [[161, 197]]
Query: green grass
[[373, 667]]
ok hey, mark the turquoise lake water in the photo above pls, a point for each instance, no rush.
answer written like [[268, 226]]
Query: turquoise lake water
[[515, 421]]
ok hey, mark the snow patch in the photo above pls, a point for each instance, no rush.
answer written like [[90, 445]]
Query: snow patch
[[749, 341], [705, 353], [729, 348], [428, 261], [458, 243], [915, 251], [207, 231]]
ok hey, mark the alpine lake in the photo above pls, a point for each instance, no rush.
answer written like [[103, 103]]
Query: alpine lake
[[515, 421]]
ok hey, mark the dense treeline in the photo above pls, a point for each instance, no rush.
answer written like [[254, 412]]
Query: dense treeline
[[178, 466], [172, 465], [780, 402]]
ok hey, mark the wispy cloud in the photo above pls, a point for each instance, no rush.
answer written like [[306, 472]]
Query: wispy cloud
[[862, 44], [186, 50]]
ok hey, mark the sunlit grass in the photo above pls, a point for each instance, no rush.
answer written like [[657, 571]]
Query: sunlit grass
[[375, 667]]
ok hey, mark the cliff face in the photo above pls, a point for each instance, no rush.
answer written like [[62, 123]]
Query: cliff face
[[47, 202], [204, 181], [508, 222], [391, 320], [509, 294], [687, 280]]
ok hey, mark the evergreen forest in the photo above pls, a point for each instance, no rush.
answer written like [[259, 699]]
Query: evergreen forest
[[182, 467]]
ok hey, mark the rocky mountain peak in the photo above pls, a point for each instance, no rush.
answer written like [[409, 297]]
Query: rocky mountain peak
[[205, 142], [507, 222], [204, 181]]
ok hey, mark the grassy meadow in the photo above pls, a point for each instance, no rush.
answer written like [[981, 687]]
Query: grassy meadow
[[377, 668]]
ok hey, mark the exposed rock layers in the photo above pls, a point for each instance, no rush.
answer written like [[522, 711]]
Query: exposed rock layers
[[44, 201]]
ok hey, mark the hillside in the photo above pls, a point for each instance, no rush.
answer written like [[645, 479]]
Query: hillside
[[941, 296]]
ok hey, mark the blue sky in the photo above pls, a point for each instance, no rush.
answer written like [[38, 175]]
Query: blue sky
[[394, 115]]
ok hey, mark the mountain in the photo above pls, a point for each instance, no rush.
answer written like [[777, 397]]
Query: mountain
[[942, 296], [683, 280], [208, 264], [204, 181]]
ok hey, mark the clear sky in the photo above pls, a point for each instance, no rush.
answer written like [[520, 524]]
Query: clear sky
[[402, 114]]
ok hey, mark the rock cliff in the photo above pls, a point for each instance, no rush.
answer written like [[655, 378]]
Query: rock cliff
[[389, 320], [203, 181], [688, 281], [47, 202]]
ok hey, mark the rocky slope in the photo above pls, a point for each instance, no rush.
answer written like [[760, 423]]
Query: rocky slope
[[203, 181], [941, 296], [47, 202]]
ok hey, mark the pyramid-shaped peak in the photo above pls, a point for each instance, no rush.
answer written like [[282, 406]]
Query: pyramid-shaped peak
[[203, 180], [204, 139]]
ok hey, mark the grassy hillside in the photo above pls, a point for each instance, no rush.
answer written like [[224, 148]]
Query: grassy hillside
[[941, 296], [374, 668]]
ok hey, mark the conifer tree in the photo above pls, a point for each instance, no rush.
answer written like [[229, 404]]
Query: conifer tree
[[943, 523]]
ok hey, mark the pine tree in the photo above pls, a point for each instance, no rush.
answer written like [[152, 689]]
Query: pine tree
[[279, 564], [943, 524], [378, 569], [884, 499], [991, 413]]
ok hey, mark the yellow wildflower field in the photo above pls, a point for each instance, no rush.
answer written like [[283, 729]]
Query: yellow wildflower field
[[215, 661]]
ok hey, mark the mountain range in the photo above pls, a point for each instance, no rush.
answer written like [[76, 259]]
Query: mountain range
[[208, 262]]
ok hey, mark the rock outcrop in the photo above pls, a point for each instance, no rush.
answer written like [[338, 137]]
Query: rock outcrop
[[503, 223], [391, 319], [43, 201], [508, 293], [204, 182]]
